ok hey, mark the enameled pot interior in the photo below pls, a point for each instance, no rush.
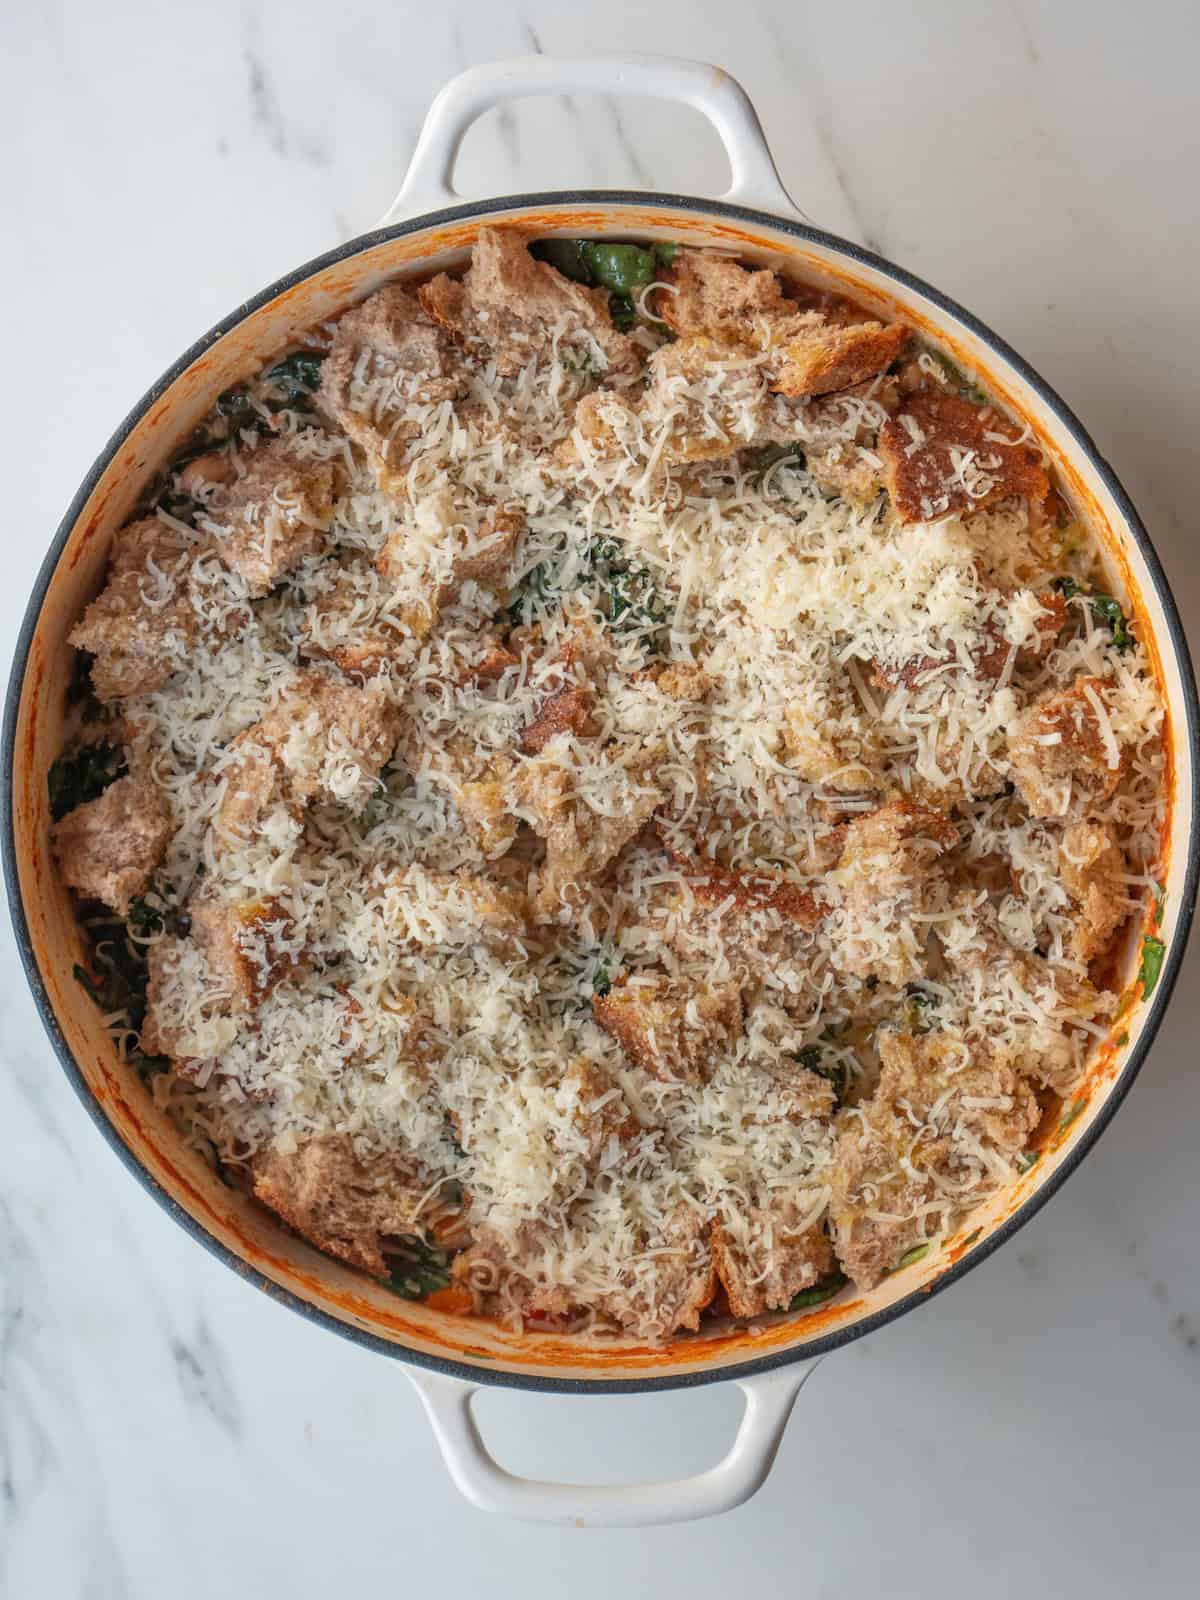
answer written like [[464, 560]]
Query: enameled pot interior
[[225, 1220]]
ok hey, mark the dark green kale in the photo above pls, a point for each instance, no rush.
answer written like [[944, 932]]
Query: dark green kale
[[180, 506], [83, 774], [602, 971], [959, 380], [620, 309], [295, 379], [418, 1268], [764, 457], [622, 269], [153, 913], [79, 690], [918, 1003], [236, 406], [383, 806], [568, 256], [910, 1257], [828, 1065], [536, 593], [1150, 970], [1109, 614], [116, 974], [1107, 611], [818, 1294], [628, 592]]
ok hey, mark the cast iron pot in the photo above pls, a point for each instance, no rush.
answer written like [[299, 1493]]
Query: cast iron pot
[[426, 230]]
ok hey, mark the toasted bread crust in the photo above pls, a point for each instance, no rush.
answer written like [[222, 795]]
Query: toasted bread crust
[[884, 1174], [942, 454], [273, 514], [806, 351], [1094, 871], [668, 1030], [1060, 760], [139, 647], [774, 1263], [512, 307], [346, 1207]]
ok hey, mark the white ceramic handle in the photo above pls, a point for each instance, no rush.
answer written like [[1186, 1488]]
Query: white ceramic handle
[[428, 184], [769, 1400]]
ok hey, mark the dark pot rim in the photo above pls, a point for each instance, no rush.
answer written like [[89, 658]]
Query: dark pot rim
[[809, 1349]]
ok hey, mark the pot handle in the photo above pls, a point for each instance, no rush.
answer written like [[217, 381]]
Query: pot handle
[[769, 1398], [428, 184]]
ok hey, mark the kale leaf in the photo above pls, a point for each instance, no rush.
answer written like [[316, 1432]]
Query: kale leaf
[[628, 591], [818, 1294], [296, 378], [83, 774], [567, 256], [918, 1003], [622, 269], [236, 406], [418, 1268], [602, 971], [117, 973], [631, 597], [1106, 609], [1109, 613], [1150, 970]]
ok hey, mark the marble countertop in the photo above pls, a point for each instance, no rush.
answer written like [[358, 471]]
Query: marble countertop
[[166, 1430]]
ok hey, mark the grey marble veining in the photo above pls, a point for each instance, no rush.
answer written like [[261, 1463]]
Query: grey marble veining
[[204, 1380], [166, 1430]]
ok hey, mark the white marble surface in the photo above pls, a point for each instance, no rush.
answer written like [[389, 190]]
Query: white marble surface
[[165, 1430]]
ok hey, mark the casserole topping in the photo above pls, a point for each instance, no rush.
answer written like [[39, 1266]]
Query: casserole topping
[[606, 790]]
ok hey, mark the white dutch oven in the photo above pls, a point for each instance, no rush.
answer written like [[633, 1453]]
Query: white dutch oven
[[428, 229]]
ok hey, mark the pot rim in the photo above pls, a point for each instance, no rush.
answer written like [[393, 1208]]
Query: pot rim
[[487, 1374]]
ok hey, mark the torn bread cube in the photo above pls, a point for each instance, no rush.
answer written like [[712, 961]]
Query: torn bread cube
[[250, 945], [387, 355], [275, 513], [324, 741], [585, 827], [667, 1028], [942, 454], [807, 351], [347, 1207], [109, 848], [1064, 751], [145, 622], [767, 1255], [513, 309], [1095, 873]]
